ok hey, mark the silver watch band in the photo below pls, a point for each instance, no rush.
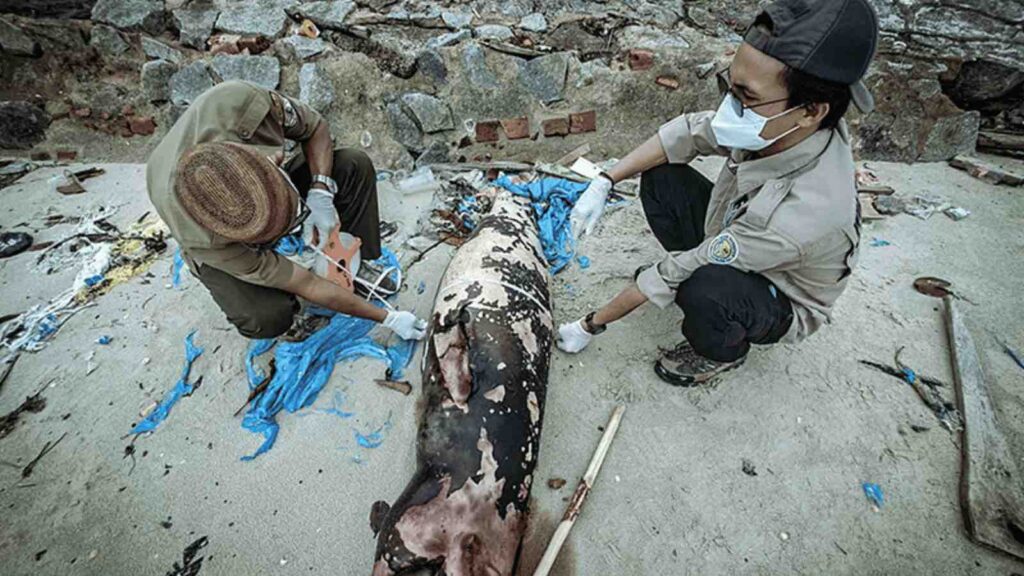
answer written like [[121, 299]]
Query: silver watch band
[[332, 186]]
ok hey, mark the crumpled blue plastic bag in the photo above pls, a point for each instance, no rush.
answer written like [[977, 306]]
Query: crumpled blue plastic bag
[[181, 388], [552, 200]]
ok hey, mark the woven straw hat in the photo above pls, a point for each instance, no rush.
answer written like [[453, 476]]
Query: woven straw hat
[[234, 191]]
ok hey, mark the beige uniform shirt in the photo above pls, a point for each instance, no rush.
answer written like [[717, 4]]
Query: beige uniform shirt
[[229, 112], [792, 217]]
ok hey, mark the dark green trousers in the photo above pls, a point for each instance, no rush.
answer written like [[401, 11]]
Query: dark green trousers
[[261, 312]]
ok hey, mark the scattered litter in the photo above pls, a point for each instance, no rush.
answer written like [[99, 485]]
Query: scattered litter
[[987, 172], [556, 483], [398, 386], [366, 139], [34, 404], [873, 492], [583, 261], [783, 536], [308, 29], [926, 389], [878, 243], [27, 470], [104, 340], [12, 243], [1011, 352], [191, 561], [585, 168], [748, 468], [957, 213], [373, 439], [303, 368], [176, 266], [421, 180], [552, 200], [181, 389], [421, 287], [66, 183], [923, 206], [932, 286]]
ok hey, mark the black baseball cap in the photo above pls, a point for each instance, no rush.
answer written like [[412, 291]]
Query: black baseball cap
[[834, 40]]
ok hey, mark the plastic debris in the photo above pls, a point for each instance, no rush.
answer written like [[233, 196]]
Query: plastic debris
[[12, 243], [421, 180], [104, 340], [181, 388], [552, 202], [303, 368], [366, 139], [373, 439], [1012, 353], [421, 287], [873, 492], [878, 243], [583, 261], [176, 267], [957, 213]]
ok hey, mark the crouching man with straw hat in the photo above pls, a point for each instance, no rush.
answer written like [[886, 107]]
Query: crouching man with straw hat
[[217, 180]]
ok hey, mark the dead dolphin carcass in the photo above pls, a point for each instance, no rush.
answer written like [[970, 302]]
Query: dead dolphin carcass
[[485, 374]]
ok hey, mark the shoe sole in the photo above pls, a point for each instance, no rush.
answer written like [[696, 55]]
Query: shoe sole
[[678, 381]]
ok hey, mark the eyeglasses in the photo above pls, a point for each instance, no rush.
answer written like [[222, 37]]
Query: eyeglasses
[[725, 86]]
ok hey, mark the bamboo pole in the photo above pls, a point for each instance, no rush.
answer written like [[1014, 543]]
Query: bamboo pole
[[572, 512]]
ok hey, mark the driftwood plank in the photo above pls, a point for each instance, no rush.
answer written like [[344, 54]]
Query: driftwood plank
[[991, 487]]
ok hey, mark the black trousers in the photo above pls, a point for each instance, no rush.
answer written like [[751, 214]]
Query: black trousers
[[725, 309], [261, 312]]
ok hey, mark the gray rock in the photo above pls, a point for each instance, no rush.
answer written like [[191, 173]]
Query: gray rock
[[456, 20], [196, 25], [263, 71], [544, 77], [315, 87], [475, 65], [980, 81], [431, 64], [493, 32], [303, 47], [449, 39], [13, 40], [327, 14], [431, 115], [22, 125], [145, 15], [159, 51], [951, 136], [436, 153], [107, 41], [156, 80], [534, 23], [404, 128], [188, 83], [267, 18], [650, 38]]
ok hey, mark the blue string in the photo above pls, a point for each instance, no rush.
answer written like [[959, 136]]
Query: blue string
[[181, 388]]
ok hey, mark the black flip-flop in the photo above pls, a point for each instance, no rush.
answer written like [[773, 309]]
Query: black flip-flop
[[12, 243]]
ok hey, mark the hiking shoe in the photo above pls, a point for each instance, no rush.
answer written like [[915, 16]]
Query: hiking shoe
[[380, 278], [304, 326], [682, 366]]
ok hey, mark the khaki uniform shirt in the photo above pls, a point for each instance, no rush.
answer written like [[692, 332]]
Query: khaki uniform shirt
[[229, 112], [792, 217]]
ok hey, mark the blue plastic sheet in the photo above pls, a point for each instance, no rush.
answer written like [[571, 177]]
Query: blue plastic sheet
[[552, 200], [879, 243], [374, 439], [176, 267], [181, 388], [302, 369], [104, 340], [873, 492]]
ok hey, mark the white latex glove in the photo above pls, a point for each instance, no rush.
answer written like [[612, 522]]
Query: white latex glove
[[323, 217], [406, 325], [590, 206], [572, 338]]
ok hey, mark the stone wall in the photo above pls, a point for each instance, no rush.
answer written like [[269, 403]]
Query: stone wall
[[438, 81]]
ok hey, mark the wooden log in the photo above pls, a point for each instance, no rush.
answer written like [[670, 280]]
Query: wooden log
[[572, 512], [1003, 143], [991, 494]]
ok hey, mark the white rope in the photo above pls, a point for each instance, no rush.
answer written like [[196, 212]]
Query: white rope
[[459, 283]]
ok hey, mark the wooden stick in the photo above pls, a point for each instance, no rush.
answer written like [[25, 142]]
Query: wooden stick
[[397, 385], [572, 512]]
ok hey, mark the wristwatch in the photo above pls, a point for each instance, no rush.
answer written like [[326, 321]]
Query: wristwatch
[[332, 186], [589, 326]]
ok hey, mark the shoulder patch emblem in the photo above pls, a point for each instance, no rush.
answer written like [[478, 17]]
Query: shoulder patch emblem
[[291, 117], [723, 249]]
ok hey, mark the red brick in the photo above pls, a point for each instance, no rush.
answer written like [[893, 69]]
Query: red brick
[[640, 59], [127, 110], [142, 125], [40, 155], [670, 82], [583, 122], [81, 112], [487, 131], [516, 128], [66, 155], [555, 127]]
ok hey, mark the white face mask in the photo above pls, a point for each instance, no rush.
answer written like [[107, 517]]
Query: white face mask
[[743, 132]]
